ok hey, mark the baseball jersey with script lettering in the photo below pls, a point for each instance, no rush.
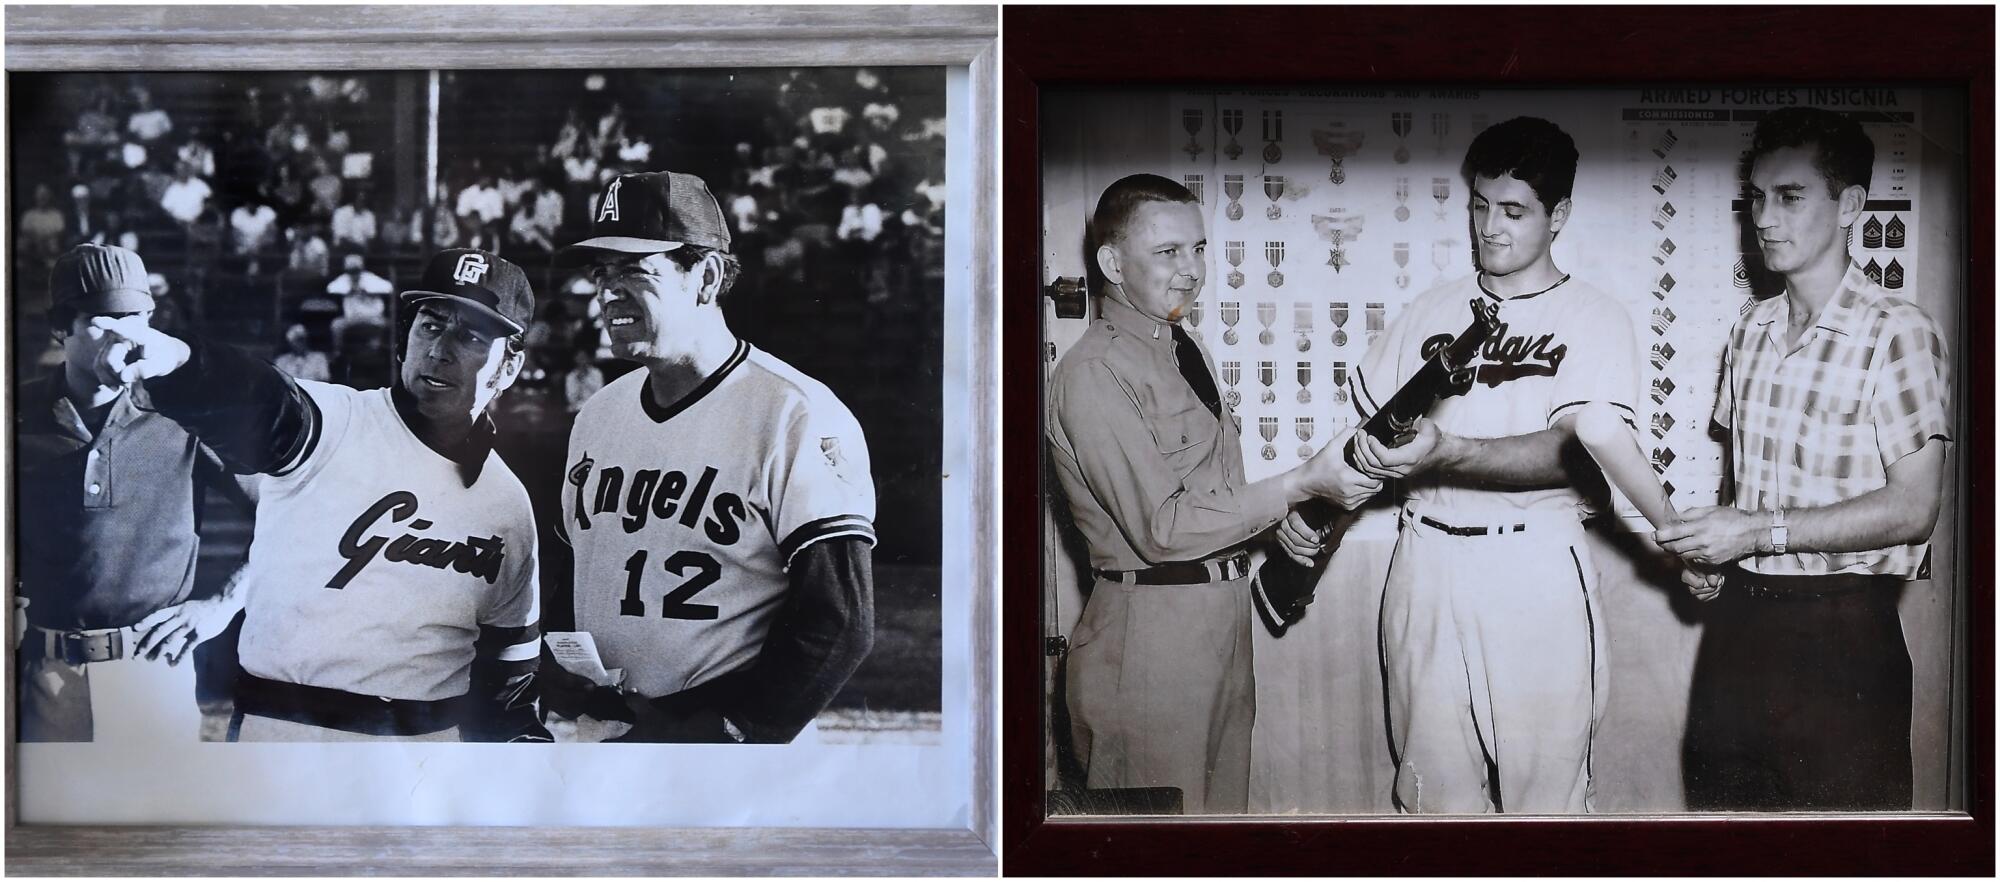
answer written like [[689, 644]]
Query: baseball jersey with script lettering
[[1554, 351], [685, 519], [374, 566]]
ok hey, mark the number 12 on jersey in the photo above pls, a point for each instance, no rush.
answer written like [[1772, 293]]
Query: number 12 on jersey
[[698, 570]]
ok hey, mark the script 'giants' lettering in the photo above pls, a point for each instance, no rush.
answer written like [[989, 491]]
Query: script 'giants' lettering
[[476, 556]]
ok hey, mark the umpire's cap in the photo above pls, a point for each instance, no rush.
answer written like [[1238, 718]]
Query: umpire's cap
[[100, 280], [649, 213], [486, 282]]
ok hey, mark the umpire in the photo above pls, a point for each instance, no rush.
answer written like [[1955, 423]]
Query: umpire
[[1150, 458]]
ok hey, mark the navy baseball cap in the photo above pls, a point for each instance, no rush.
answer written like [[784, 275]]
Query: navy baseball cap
[[100, 280], [484, 281], [650, 213]]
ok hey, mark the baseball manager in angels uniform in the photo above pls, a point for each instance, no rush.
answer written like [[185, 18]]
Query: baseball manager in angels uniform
[[718, 501], [391, 588], [1492, 640]]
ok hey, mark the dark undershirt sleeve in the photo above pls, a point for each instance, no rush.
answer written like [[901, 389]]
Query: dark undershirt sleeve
[[823, 631], [250, 413]]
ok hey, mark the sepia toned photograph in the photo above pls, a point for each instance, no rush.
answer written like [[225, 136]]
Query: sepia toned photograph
[[1465, 450]]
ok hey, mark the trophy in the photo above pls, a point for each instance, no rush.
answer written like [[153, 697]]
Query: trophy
[[1274, 131], [1337, 145], [1338, 312], [1232, 312], [1402, 199], [1275, 253], [1302, 323], [1232, 371], [1232, 187], [1340, 382], [1441, 127], [1399, 122], [1191, 121], [1402, 256], [1234, 252], [1267, 312], [1304, 427], [1232, 123], [1274, 187], [1267, 426], [1305, 395], [1441, 191], [1267, 373]]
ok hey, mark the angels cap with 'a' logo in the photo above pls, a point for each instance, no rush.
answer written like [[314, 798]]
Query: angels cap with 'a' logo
[[650, 213], [488, 283]]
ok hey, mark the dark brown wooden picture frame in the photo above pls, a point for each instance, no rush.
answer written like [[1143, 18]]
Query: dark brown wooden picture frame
[[105, 38], [1047, 47]]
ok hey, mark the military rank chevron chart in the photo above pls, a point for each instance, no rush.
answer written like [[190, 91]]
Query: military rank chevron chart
[[1329, 209]]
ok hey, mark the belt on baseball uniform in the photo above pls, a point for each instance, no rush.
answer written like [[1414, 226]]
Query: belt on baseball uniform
[[1802, 587], [1192, 572], [79, 646], [1463, 525], [345, 711]]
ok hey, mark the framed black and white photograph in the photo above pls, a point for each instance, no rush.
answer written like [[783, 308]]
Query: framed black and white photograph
[[1435, 425], [593, 402]]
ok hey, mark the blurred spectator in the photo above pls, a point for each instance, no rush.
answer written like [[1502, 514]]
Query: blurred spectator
[[356, 278], [95, 132], [398, 231], [511, 184], [167, 313], [299, 358], [309, 253], [582, 381], [186, 197], [354, 225], [610, 131], [443, 225], [81, 200], [480, 209], [325, 189], [569, 139], [42, 227], [147, 123], [535, 222], [635, 150], [253, 228], [364, 300], [196, 154]]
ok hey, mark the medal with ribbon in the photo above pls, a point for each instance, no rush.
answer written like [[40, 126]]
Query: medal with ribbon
[[1441, 191], [1274, 132], [1232, 312], [1232, 187], [1376, 319], [1193, 183], [1194, 319], [1402, 199], [1340, 382], [1441, 127], [1274, 187], [1338, 312], [1275, 253], [1305, 395], [1267, 426], [1303, 427], [1337, 144], [1401, 253], [1232, 373], [1191, 121], [1234, 252], [1232, 123], [1399, 122], [1266, 314], [1267, 373]]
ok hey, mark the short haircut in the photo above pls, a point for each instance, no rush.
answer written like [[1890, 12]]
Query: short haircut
[[1843, 156], [1122, 199], [687, 257], [1532, 150], [407, 319]]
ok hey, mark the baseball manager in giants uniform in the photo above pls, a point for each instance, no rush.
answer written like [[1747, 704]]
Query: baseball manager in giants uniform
[[391, 587], [1492, 638], [719, 502]]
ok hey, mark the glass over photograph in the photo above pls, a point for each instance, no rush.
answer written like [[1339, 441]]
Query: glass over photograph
[[1466, 450]]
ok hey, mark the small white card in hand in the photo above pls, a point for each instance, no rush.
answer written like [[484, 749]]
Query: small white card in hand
[[577, 651]]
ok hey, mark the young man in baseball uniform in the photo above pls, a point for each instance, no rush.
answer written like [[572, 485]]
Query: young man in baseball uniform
[[110, 496], [1836, 397], [1492, 641], [391, 590], [719, 502], [1159, 678]]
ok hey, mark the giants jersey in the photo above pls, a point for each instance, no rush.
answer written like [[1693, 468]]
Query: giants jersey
[[1554, 351], [685, 518], [374, 566]]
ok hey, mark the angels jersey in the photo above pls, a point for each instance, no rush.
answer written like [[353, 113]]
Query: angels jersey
[[374, 566], [685, 518], [1555, 350]]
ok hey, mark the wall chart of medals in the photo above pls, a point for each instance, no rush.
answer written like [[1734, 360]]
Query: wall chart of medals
[[1329, 209]]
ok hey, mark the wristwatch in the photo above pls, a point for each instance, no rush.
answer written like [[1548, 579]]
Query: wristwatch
[[1781, 533]]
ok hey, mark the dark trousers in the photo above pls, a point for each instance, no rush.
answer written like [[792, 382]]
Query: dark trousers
[[1800, 703]]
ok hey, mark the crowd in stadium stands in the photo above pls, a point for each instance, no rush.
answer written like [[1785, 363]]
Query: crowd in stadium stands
[[280, 191]]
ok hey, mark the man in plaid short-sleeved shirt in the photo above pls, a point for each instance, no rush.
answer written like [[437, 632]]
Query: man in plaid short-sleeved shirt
[[1836, 400]]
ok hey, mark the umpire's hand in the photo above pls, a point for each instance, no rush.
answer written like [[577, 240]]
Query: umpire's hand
[[135, 351]]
